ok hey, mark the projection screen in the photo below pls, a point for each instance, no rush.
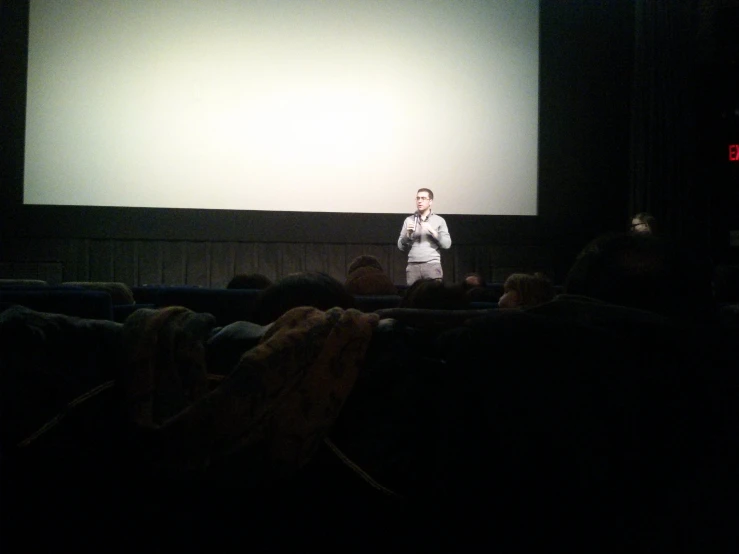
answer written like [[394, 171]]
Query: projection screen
[[284, 105]]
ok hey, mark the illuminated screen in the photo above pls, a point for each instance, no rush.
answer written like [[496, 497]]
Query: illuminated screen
[[284, 105]]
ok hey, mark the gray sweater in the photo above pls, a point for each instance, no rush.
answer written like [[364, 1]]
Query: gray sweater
[[422, 246]]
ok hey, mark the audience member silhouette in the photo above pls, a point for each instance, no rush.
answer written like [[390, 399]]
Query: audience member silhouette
[[249, 281], [478, 290], [310, 288], [432, 294], [365, 276], [524, 290], [473, 280], [644, 271]]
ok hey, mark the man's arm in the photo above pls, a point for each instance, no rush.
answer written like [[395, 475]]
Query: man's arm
[[405, 241]]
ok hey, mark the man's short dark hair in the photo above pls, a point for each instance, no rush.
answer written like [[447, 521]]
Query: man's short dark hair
[[365, 260], [431, 193]]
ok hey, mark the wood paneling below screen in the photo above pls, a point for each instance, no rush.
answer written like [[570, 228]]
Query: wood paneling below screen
[[213, 263]]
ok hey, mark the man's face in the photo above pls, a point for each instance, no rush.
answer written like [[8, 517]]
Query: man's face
[[638, 226], [423, 202]]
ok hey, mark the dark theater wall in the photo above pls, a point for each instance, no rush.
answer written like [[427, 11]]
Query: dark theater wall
[[585, 87]]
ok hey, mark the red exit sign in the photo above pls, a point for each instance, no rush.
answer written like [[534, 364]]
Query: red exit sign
[[734, 152]]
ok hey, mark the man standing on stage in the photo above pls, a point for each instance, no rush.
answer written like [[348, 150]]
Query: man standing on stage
[[422, 235]]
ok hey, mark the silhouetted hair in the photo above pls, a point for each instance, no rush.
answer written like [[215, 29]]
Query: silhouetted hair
[[432, 294], [366, 277], [315, 289], [431, 194], [365, 260], [249, 281], [533, 289]]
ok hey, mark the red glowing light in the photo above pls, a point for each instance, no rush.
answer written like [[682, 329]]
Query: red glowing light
[[734, 152]]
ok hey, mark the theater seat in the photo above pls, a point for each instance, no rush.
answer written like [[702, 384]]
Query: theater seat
[[371, 303], [226, 305], [90, 304]]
